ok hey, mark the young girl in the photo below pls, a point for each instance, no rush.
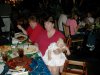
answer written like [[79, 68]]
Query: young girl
[[54, 56]]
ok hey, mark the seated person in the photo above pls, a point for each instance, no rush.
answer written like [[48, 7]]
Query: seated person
[[34, 30], [73, 26]]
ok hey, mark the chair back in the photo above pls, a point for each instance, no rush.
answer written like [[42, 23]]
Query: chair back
[[76, 67], [66, 30], [68, 42]]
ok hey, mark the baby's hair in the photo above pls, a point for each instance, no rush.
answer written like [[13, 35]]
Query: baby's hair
[[60, 40]]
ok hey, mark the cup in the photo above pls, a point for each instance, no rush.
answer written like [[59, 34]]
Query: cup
[[20, 52], [5, 57]]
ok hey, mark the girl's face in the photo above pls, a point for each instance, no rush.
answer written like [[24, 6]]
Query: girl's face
[[32, 24], [60, 44], [48, 25]]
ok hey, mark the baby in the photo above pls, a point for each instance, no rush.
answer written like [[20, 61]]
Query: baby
[[54, 56]]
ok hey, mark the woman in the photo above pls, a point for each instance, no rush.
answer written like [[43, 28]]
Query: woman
[[34, 30], [73, 26], [47, 37]]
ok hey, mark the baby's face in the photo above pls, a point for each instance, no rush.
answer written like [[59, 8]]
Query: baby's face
[[60, 45]]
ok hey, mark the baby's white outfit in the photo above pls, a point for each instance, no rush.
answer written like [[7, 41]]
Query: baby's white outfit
[[56, 59]]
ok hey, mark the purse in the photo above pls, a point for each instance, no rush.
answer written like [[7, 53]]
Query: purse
[[39, 67]]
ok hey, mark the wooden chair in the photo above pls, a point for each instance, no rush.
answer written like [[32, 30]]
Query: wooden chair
[[74, 67], [72, 41], [66, 30], [64, 73], [68, 42], [77, 42]]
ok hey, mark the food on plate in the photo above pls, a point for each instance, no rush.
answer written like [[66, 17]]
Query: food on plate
[[30, 49], [18, 68], [5, 48], [18, 63], [21, 38]]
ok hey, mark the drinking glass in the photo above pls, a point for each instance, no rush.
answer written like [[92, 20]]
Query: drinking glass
[[20, 52], [5, 57]]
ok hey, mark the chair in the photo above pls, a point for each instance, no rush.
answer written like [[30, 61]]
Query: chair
[[77, 42], [74, 67], [66, 30], [72, 41], [68, 42], [64, 73]]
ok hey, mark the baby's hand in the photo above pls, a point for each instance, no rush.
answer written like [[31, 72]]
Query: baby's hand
[[57, 51], [66, 51]]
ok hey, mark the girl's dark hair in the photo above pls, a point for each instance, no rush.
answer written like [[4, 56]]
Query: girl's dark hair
[[49, 19], [32, 18]]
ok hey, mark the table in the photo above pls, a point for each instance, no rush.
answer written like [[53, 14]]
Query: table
[[34, 58], [3, 66], [38, 60]]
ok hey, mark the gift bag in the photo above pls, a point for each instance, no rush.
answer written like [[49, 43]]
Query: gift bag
[[38, 67]]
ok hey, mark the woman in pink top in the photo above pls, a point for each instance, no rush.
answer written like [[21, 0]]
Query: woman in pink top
[[72, 23], [49, 36], [34, 30]]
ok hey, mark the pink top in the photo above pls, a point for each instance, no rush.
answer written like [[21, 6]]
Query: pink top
[[43, 41], [73, 26], [34, 33]]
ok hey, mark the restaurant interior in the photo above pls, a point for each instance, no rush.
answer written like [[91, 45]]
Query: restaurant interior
[[13, 10]]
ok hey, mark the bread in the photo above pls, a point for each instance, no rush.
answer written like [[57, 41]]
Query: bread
[[5, 48]]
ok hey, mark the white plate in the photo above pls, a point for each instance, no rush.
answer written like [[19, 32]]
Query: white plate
[[1, 68], [29, 49], [21, 73], [24, 37]]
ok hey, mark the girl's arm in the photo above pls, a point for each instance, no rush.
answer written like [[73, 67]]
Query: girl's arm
[[22, 29]]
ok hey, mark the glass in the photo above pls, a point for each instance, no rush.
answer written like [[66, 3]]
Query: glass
[[5, 57], [20, 52]]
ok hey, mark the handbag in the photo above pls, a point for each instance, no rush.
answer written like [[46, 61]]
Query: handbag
[[39, 67]]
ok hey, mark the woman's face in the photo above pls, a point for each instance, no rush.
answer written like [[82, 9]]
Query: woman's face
[[48, 25]]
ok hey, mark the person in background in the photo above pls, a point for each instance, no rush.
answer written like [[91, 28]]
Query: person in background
[[62, 21], [54, 56], [89, 21], [97, 23], [34, 29], [73, 26], [89, 18]]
